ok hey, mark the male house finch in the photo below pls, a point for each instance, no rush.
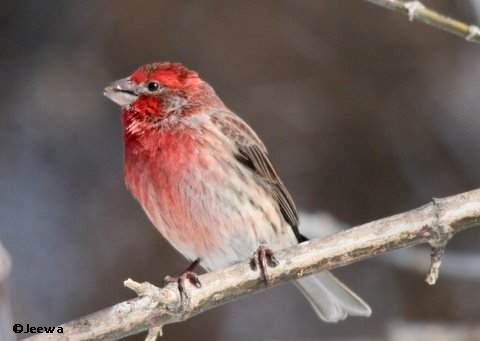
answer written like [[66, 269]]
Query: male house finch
[[204, 179]]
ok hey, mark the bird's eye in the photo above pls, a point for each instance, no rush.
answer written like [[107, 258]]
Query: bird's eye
[[153, 86]]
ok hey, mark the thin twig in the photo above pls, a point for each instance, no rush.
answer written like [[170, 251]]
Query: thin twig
[[433, 224], [415, 10]]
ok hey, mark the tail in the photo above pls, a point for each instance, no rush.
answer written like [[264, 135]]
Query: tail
[[330, 298]]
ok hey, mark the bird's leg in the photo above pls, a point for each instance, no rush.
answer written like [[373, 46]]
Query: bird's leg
[[262, 259], [189, 275]]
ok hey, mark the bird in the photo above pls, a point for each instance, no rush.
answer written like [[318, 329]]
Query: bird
[[206, 182]]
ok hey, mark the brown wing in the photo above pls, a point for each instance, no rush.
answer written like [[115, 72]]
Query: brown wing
[[252, 153]]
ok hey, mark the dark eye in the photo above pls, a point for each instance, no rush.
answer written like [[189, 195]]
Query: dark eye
[[153, 86]]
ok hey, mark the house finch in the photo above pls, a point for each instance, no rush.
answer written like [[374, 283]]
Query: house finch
[[204, 179]]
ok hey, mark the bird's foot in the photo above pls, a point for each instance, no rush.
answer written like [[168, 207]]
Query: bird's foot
[[188, 275], [262, 259]]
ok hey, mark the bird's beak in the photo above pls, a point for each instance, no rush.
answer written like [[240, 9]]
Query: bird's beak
[[123, 92]]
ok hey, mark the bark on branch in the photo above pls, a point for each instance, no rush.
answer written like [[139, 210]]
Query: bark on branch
[[415, 10], [434, 223]]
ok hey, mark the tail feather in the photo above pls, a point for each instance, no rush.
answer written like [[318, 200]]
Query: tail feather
[[330, 298]]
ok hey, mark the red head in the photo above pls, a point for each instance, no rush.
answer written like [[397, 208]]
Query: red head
[[159, 90], [169, 75]]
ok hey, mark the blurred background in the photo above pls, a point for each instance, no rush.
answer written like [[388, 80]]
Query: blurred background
[[365, 115]]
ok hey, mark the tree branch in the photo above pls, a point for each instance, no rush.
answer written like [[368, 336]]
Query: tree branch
[[434, 224], [415, 10], [5, 310], [455, 264]]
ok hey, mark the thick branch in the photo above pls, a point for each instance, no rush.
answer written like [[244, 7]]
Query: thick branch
[[415, 10], [455, 264], [434, 224]]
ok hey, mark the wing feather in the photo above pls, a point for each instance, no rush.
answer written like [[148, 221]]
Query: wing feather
[[252, 153]]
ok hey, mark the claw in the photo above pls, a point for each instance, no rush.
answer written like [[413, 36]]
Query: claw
[[263, 258], [194, 280], [187, 275]]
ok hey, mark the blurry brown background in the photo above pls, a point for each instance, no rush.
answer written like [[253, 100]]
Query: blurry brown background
[[364, 113]]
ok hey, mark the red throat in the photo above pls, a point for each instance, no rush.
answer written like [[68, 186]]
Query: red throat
[[147, 106]]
